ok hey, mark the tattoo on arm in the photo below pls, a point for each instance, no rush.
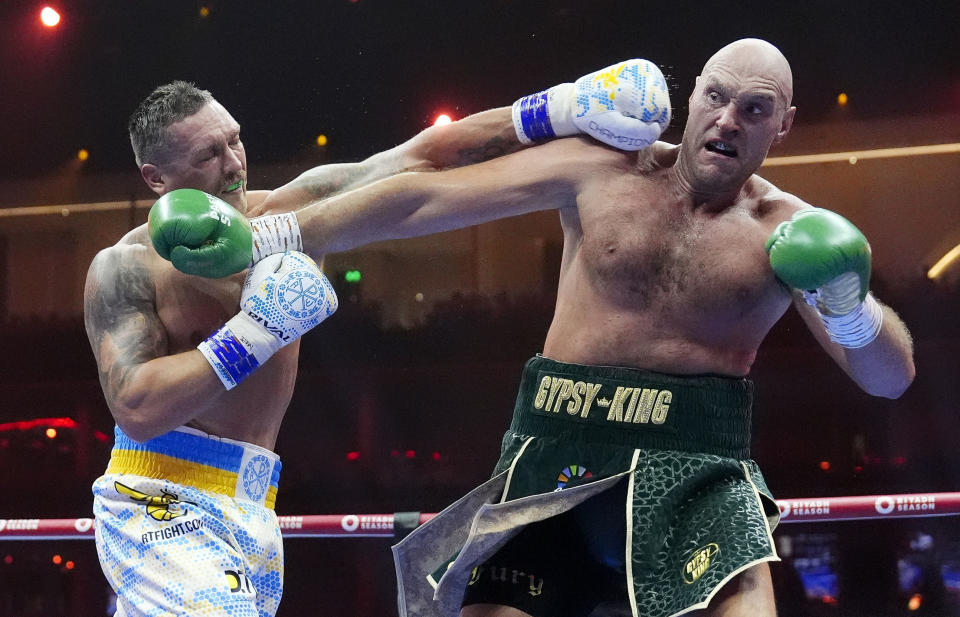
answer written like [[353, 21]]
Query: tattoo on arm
[[327, 180], [121, 318], [495, 147]]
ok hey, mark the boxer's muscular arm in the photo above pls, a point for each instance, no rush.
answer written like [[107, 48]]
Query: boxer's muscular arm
[[148, 391], [640, 111], [625, 105], [884, 367], [477, 138], [825, 259], [417, 204]]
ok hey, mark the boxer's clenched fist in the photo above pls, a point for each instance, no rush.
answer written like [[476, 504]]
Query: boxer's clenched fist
[[205, 236], [626, 105], [284, 296]]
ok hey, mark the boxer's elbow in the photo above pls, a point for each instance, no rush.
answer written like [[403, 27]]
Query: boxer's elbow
[[136, 422], [135, 428], [891, 385], [900, 386]]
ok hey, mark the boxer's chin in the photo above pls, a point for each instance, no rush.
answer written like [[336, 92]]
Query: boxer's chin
[[239, 202]]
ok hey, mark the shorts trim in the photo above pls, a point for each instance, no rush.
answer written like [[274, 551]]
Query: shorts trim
[[766, 521], [192, 458], [628, 549], [513, 464]]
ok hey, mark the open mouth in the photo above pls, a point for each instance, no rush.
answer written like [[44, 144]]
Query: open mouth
[[722, 147]]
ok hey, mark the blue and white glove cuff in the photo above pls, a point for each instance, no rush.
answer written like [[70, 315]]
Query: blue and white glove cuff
[[237, 349], [544, 115], [275, 233], [857, 328]]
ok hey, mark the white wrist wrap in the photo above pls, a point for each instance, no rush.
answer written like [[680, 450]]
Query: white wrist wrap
[[839, 296], [238, 348], [857, 328], [275, 233]]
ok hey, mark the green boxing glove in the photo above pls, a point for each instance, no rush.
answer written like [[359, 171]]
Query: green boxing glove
[[200, 234], [205, 236], [826, 256]]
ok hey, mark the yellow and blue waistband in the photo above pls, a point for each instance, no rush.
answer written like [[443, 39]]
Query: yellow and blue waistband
[[193, 458]]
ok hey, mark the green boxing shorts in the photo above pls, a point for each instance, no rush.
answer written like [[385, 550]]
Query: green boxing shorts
[[615, 487]]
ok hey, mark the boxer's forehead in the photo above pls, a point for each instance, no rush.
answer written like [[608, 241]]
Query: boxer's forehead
[[754, 64], [211, 127]]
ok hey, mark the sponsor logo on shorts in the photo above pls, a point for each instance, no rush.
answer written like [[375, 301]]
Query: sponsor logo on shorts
[[177, 529], [238, 581], [507, 576], [256, 477], [700, 562], [571, 473], [627, 405], [161, 508]]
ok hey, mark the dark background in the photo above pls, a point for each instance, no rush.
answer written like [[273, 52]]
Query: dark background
[[369, 75]]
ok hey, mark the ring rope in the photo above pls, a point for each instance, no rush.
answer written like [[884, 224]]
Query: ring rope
[[799, 510]]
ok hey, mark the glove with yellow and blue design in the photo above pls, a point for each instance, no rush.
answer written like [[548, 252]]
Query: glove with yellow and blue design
[[626, 105], [828, 258], [284, 296]]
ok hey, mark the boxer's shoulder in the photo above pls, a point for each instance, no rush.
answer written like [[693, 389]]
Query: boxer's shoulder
[[132, 241], [135, 248], [658, 156], [131, 259], [767, 201]]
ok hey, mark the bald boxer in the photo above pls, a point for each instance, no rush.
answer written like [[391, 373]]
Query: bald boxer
[[625, 484], [198, 372]]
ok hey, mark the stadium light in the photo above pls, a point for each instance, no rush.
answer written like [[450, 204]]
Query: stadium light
[[49, 17]]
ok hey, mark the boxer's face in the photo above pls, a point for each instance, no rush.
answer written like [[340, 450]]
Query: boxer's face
[[738, 109], [204, 152]]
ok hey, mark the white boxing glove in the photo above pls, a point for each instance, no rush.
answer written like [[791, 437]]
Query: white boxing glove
[[626, 105], [284, 296]]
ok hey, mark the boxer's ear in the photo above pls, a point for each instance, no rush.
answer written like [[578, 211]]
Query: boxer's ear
[[785, 123], [154, 179]]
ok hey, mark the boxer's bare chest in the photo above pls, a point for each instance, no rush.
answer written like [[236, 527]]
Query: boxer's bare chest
[[646, 248], [191, 308]]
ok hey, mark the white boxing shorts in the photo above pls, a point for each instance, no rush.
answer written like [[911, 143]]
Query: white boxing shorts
[[185, 526]]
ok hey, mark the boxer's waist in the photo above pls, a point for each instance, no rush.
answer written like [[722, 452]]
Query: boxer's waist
[[634, 408], [190, 457]]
